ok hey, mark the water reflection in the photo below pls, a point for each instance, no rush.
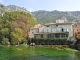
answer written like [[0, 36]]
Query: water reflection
[[73, 56], [43, 58], [36, 56]]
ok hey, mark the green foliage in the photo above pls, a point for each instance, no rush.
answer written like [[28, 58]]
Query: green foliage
[[31, 19], [16, 36], [14, 25], [4, 31], [5, 40]]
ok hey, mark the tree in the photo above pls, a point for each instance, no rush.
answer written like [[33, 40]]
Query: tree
[[5, 40], [12, 20], [22, 22], [17, 36], [4, 33]]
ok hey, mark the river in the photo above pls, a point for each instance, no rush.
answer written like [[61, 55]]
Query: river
[[37, 53]]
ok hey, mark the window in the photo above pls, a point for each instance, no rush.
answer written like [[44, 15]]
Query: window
[[52, 36], [67, 29], [47, 26], [57, 29], [57, 35], [78, 32], [62, 29], [63, 35], [66, 35], [41, 36], [57, 25], [49, 35]]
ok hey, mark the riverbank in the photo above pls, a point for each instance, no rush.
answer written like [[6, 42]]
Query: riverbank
[[58, 47]]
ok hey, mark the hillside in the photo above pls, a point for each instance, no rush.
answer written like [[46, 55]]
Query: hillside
[[50, 16], [11, 8], [43, 16]]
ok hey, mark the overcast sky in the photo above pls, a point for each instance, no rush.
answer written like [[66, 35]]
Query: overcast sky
[[48, 5]]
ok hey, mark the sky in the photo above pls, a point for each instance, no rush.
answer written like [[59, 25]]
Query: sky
[[48, 5]]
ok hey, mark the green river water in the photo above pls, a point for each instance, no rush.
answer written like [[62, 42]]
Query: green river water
[[37, 53]]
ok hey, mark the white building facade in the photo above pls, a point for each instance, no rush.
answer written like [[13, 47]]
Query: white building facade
[[55, 30], [60, 29]]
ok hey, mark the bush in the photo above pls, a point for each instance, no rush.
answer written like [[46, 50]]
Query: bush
[[5, 41]]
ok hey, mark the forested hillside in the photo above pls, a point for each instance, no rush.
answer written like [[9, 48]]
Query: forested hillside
[[51, 16]]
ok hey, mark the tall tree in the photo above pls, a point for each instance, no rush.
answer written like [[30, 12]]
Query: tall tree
[[16, 36], [22, 22]]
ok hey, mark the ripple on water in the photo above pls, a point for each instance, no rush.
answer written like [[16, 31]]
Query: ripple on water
[[41, 57]]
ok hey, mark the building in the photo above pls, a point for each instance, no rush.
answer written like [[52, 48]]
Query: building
[[61, 21], [60, 29], [48, 33], [34, 30], [76, 30], [54, 30]]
